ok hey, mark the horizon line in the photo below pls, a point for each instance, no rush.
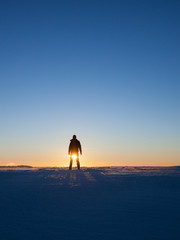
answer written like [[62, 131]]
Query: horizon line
[[103, 166]]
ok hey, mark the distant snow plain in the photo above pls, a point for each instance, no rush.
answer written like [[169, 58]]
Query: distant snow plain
[[107, 203]]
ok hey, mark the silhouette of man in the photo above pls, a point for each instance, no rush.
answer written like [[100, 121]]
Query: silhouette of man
[[74, 149]]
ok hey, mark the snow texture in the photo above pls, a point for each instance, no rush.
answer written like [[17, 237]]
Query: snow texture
[[106, 203]]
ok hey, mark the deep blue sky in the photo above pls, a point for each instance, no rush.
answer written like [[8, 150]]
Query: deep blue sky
[[105, 70]]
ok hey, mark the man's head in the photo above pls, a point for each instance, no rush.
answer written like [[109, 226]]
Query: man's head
[[74, 136]]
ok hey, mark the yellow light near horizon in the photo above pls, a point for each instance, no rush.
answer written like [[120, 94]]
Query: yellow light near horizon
[[74, 157]]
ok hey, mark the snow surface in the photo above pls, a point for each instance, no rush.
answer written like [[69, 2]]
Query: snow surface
[[94, 203]]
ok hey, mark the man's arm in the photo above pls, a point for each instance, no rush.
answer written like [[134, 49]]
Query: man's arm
[[80, 149], [69, 150]]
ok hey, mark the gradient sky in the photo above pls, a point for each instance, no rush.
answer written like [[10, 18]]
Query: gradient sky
[[107, 71]]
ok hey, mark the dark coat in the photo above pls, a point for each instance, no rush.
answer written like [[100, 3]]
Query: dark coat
[[74, 146]]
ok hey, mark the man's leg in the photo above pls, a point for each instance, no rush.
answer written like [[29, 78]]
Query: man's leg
[[78, 163], [70, 165]]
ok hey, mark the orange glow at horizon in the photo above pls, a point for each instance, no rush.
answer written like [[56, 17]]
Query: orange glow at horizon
[[94, 160]]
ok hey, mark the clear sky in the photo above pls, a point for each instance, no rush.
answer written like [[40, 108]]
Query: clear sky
[[107, 71]]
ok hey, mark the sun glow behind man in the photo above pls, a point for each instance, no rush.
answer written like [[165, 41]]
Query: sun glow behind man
[[74, 157]]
